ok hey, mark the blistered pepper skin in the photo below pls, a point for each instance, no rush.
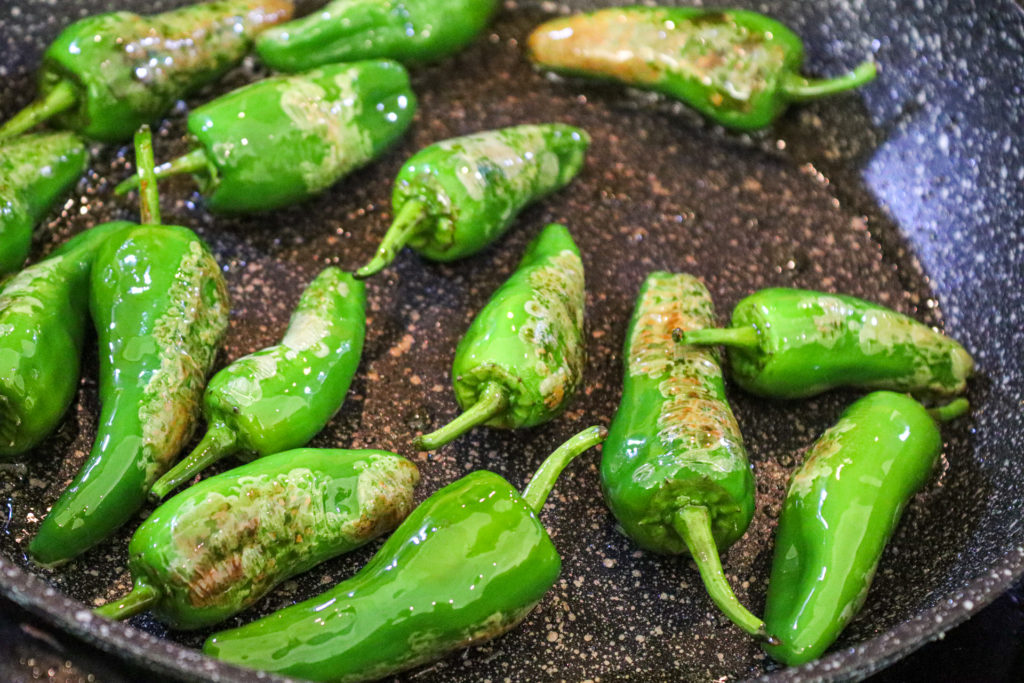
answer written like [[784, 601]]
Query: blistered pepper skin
[[35, 171], [221, 545], [408, 31]]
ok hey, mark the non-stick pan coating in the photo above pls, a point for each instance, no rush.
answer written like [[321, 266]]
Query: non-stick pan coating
[[908, 193]]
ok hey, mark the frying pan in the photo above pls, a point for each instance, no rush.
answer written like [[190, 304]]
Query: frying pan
[[907, 193]]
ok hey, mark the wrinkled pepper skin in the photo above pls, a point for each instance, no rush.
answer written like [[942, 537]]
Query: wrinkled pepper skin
[[35, 171], [408, 31], [218, 547], [841, 509], [113, 72], [793, 343], [159, 305], [522, 358], [280, 397], [736, 67], [44, 311]]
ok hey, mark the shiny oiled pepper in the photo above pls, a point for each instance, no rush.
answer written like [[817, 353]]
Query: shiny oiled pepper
[[455, 197], [674, 469], [792, 343], [43, 315], [736, 67], [842, 507], [521, 360], [409, 31], [159, 305], [106, 75], [466, 566], [284, 139], [280, 397], [35, 171], [218, 547]]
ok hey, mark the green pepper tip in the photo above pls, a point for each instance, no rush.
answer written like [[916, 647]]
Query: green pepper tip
[[407, 222], [138, 600], [491, 401], [742, 337], [539, 488], [149, 199], [218, 442], [799, 88], [951, 410], [60, 98]]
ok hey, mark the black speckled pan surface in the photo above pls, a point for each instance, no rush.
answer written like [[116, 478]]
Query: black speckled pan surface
[[910, 193]]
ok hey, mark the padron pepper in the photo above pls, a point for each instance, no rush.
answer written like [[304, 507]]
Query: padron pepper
[[455, 197], [736, 67], [285, 139], [160, 308], [841, 509], [521, 361], [282, 396], [466, 566], [792, 343], [43, 319], [409, 31], [106, 75], [674, 469], [218, 547], [35, 171]]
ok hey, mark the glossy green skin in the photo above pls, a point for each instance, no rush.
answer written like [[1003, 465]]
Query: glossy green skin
[[529, 336], [282, 140], [282, 396], [674, 441], [475, 186], [35, 171], [467, 565], [159, 305], [43, 315], [107, 59], [409, 31], [726, 64], [843, 505], [224, 543], [809, 342]]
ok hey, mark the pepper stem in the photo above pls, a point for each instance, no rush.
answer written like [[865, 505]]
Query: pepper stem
[[742, 337], [491, 401], [405, 225], [149, 198], [539, 488], [193, 162], [60, 98], [798, 88], [950, 411], [693, 524], [138, 600], [218, 442]]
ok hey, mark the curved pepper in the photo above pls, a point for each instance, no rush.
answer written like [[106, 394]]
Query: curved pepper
[[285, 139], [43, 311], [466, 566], [106, 75], [409, 31], [792, 343], [455, 197], [35, 171], [521, 360], [674, 469], [736, 67], [218, 547], [842, 507], [282, 396], [159, 306]]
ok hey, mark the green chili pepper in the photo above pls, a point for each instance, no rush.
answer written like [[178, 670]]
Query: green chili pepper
[[410, 31], [281, 397], [674, 469], [455, 197], [43, 311], [35, 171], [792, 343], [842, 507], [522, 358], [738, 68], [285, 139], [218, 547], [466, 566], [106, 75], [159, 306]]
